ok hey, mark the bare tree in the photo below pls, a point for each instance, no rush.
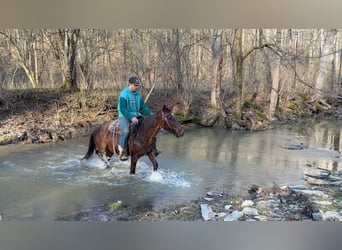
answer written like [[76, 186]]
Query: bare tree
[[238, 81], [23, 50], [64, 43], [326, 59], [275, 69], [217, 53]]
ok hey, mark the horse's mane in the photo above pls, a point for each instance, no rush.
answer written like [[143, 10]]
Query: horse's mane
[[146, 121]]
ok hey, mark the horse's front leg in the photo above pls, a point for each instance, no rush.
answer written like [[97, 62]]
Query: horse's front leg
[[152, 158], [134, 160]]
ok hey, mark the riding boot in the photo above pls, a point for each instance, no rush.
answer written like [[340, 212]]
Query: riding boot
[[123, 154]]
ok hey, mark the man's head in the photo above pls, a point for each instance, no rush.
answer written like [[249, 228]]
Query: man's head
[[134, 80]]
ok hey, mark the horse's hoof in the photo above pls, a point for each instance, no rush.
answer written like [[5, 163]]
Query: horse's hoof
[[157, 152]]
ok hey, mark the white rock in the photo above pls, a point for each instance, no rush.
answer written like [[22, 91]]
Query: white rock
[[234, 216], [207, 212], [332, 216], [251, 219], [220, 215], [210, 193], [340, 203], [324, 203], [261, 218], [310, 192], [227, 207], [209, 199], [247, 203], [250, 211]]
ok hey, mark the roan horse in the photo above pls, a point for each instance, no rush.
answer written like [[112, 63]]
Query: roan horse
[[105, 137]]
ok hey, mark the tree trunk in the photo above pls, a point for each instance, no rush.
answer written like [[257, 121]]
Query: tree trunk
[[69, 58], [326, 59], [238, 53], [217, 53], [73, 64], [124, 49], [275, 69], [178, 65]]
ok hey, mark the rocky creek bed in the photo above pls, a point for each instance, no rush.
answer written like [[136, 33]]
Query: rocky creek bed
[[259, 204]]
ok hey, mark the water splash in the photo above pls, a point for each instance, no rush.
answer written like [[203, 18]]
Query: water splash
[[94, 162], [156, 177], [170, 178]]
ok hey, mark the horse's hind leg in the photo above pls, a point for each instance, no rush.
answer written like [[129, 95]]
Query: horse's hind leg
[[103, 157]]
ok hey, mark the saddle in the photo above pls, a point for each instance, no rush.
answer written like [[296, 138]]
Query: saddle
[[114, 128]]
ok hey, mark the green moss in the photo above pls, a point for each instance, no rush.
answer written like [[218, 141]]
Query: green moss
[[336, 194], [303, 96], [293, 105], [261, 115], [4, 140], [113, 206], [318, 107], [187, 118], [251, 105], [243, 123]]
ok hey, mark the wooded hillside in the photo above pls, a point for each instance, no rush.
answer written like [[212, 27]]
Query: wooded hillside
[[232, 65]]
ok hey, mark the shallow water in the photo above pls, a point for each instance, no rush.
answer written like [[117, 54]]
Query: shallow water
[[48, 181]]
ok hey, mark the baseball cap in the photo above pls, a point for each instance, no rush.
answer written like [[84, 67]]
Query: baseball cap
[[134, 80]]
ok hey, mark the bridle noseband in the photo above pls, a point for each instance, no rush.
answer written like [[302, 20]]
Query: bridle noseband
[[165, 119]]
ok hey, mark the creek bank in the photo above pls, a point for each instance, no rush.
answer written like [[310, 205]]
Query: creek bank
[[258, 204], [311, 201], [45, 116]]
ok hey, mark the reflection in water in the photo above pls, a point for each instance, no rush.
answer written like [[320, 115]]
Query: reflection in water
[[324, 135], [44, 182]]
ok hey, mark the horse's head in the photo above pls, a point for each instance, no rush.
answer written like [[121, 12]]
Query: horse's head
[[170, 122]]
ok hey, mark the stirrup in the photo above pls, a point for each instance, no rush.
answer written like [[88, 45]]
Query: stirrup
[[123, 157]]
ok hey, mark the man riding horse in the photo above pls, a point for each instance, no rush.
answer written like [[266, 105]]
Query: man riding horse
[[130, 107]]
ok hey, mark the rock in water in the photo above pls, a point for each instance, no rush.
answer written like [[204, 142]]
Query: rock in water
[[207, 212]]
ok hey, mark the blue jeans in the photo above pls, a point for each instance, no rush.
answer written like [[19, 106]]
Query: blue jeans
[[124, 124]]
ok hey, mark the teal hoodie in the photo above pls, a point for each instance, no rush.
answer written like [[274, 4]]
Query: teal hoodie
[[131, 104]]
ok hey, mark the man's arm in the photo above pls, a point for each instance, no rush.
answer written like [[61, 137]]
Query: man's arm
[[144, 109], [123, 108]]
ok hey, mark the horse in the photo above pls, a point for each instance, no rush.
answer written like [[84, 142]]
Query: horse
[[141, 141]]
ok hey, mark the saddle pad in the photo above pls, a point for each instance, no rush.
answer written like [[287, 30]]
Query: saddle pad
[[114, 126]]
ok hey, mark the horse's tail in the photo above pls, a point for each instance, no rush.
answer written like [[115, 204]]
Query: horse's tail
[[91, 148]]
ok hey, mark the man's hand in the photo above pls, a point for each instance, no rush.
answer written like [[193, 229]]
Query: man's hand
[[134, 120]]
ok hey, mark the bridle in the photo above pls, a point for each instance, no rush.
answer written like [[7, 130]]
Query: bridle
[[165, 119]]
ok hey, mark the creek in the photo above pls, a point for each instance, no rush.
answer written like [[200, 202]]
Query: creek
[[49, 181]]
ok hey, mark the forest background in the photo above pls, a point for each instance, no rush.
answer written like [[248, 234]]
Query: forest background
[[232, 78]]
